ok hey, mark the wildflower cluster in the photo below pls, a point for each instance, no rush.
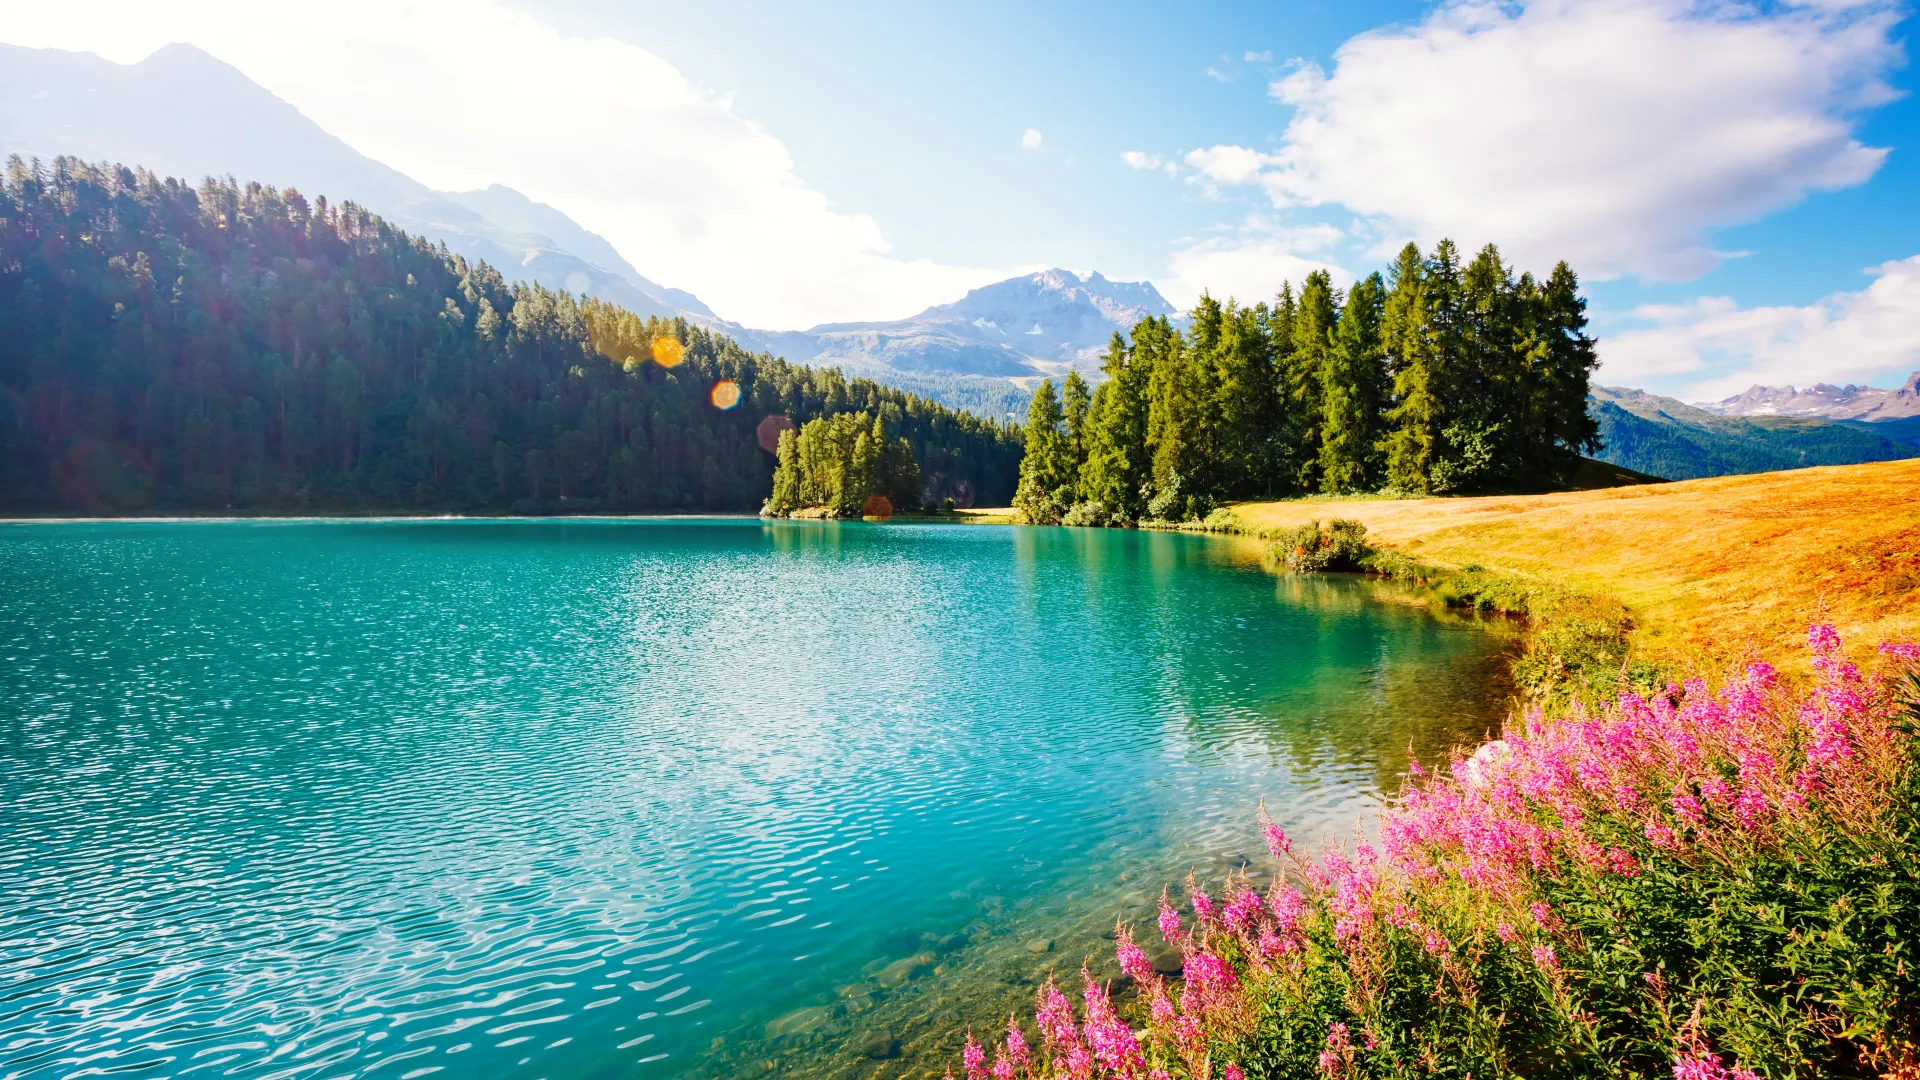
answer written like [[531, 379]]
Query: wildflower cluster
[[1708, 883]]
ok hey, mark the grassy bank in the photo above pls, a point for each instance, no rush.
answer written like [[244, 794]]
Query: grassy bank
[[1707, 570]]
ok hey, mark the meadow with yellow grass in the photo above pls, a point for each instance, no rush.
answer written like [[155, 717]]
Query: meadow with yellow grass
[[1707, 569]]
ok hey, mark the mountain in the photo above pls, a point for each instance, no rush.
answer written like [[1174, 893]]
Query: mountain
[[1848, 402], [157, 353], [181, 112], [1669, 438]]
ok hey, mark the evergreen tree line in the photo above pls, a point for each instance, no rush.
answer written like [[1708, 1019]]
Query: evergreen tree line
[[840, 464], [234, 347], [1434, 378]]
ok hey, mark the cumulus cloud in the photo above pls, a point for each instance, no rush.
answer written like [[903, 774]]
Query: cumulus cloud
[[1140, 159], [1872, 335], [1030, 140], [1229, 165], [1251, 261], [464, 93], [1613, 133]]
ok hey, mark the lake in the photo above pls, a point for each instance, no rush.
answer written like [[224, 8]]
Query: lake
[[655, 798]]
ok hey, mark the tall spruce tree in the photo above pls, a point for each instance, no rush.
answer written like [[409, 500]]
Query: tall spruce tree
[[1313, 329], [1353, 393]]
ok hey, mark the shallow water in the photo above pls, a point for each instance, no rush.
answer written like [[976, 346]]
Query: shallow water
[[645, 798]]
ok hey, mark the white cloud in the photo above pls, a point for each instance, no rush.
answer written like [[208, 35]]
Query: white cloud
[[1612, 133], [1030, 140], [1217, 75], [1265, 57], [1139, 159], [1250, 263], [465, 93], [1229, 165], [1864, 336]]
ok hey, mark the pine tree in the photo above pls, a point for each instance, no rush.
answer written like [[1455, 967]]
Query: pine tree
[[1353, 393], [1118, 461], [1047, 472], [1076, 399], [1313, 329]]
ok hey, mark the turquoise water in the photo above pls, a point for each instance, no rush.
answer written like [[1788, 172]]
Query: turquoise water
[[644, 799]]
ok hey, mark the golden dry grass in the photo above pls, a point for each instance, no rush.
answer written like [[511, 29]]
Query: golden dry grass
[[1722, 567]]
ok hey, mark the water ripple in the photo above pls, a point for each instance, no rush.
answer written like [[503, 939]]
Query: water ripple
[[653, 798]]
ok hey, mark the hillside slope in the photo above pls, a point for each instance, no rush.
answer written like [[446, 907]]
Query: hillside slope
[[1722, 565], [1666, 437], [182, 112]]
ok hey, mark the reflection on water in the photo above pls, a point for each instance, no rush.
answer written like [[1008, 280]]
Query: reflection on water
[[669, 798]]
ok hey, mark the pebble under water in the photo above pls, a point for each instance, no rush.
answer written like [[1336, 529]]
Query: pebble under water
[[652, 798]]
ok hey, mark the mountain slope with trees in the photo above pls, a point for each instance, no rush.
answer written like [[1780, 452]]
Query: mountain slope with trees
[[1669, 438], [1437, 377], [228, 348]]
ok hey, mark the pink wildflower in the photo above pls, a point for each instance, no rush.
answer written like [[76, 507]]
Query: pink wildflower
[[1435, 943], [1002, 1068], [1017, 1052], [1243, 908], [1543, 915], [1133, 959], [1055, 1017], [1207, 973], [1907, 651], [1622, 862], [1202, 906], [1169, 919], [1232, 1072], [1505, 930], [1687, 808], [1544, 956], [974, 1059], [1660, 835], [1698, 1067], [1287, 906], [1334, 1058], [1277, 841], [1822, 638], [1111, 1041]]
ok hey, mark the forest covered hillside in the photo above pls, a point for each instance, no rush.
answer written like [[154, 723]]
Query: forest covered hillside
[[1671, 439], [238, 348]]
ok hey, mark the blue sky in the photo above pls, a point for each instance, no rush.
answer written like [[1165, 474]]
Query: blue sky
[[1734, 183]]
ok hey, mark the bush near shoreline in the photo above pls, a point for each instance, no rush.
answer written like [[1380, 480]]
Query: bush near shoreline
[[1713, 883]]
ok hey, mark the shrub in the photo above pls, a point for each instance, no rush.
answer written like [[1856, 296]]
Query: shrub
[[1092, 513], [1342, 546], [1039, 507], [1704, 884]]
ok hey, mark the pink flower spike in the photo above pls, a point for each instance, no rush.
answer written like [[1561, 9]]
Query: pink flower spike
[[1277, 842], [1232, 1072], [973, 1059], [1169, 919]]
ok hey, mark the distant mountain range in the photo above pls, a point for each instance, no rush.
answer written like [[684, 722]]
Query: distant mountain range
[[182, 112], [1848, 402], [1669, 438]]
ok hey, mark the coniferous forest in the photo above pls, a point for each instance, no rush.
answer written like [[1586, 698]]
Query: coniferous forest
[[228, 347], [1435, 378]]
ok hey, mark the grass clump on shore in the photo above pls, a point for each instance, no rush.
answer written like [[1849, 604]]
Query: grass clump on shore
[[1578, 645], [1709, 883]]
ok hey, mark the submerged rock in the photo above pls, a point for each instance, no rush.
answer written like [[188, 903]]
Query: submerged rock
[[799, 1022], [1040, 945], [878, 1045], [900, 971]]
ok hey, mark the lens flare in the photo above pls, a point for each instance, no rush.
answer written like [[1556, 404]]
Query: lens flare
[[726, 394], [769, 432], [667, 352]]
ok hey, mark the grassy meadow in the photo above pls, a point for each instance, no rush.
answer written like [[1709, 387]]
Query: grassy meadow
[[1722, 567]]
